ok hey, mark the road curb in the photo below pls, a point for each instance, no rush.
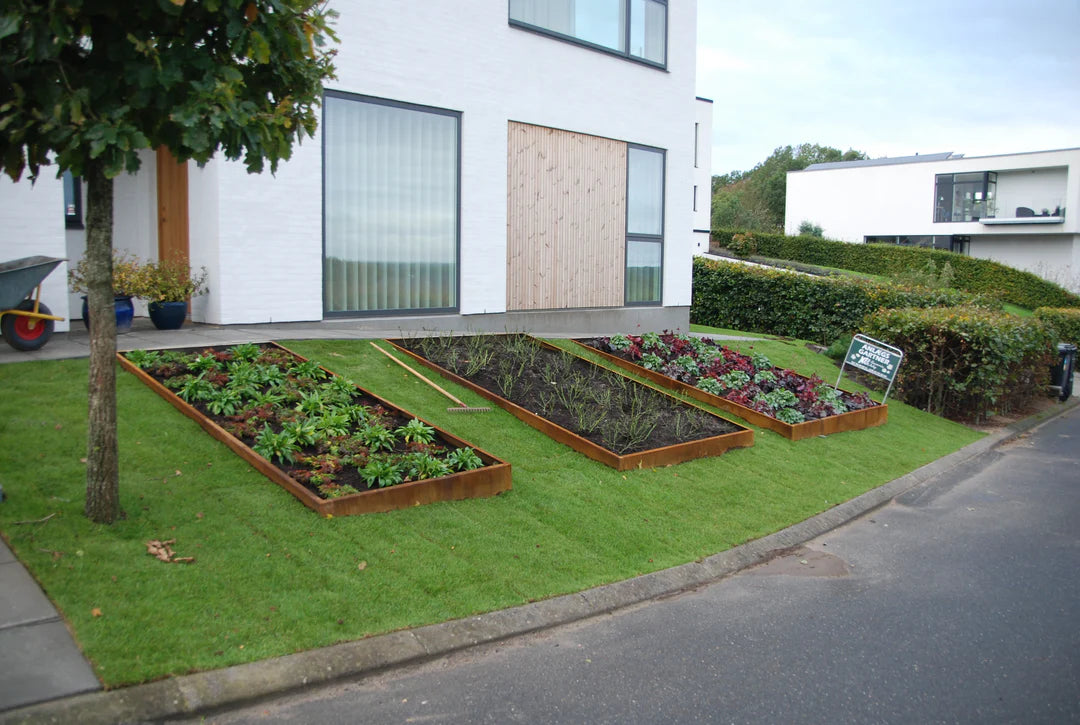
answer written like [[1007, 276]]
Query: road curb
[[206, 692]]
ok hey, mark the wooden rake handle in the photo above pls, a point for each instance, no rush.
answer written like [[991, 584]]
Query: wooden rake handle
[[448, 395]]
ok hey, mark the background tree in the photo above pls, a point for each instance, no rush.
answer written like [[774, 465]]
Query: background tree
[[87, 83], [755, 199]]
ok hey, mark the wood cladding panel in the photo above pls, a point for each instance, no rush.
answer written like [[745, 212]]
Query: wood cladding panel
[[566, 219]]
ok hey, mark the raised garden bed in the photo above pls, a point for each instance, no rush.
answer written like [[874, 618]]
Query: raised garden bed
[[338, 448], [749, 386], [606, 416]]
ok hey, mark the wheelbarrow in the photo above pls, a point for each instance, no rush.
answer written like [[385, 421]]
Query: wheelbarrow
[[25, 322]]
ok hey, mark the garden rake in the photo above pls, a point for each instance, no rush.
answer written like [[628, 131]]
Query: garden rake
[[459, 408]]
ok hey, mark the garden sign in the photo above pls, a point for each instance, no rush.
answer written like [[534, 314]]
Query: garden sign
[[874, 357]]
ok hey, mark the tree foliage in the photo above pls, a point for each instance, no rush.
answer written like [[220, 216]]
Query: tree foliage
[[755, 199], [88, 83], [97, 79]]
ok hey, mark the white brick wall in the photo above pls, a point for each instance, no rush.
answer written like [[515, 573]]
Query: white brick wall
[[261, 236], [32, 223], [465, 58]]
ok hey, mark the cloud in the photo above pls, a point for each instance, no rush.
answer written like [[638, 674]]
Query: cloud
[[921, 76]]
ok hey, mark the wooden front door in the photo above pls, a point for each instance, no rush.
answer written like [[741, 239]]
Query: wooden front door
[[172, 199]]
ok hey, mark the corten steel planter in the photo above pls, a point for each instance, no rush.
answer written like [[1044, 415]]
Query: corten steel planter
[[852, 420], [493, 478], [665, 456]]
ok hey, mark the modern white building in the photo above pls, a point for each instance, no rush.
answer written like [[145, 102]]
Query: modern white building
[[1019, 209], [488, 165]]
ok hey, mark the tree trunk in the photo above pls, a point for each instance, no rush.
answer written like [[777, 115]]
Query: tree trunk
[[102, 457]]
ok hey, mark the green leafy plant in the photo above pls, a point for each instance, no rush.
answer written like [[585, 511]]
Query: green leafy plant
[[203, 363], [308, 369], [311, 403], [652, 361], [126, 271], [246, 351], [332, 424], [376, 437], [169, 280], [790, 416], [711, 385], [143, 359], [761, 361], [419, 466], [416, 431], [381, 471], [302, 432], [736, 379], [764, 376], [195, 389], [224, 401], [618, 343], [463, 459], [687, 364], [280, 445]]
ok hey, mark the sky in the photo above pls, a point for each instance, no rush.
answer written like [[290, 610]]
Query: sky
[[889, 78]]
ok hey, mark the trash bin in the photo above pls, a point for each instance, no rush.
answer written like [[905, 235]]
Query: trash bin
[[1061, 375]]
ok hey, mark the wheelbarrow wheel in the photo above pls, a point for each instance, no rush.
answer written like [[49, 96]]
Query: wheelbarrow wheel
[[26, 333]]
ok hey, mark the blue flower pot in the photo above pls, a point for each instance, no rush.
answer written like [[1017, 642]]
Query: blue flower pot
[[168, 315], [125, 312]]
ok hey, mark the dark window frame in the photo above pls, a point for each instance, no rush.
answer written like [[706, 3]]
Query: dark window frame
[[459, 115], [74, 220], [625, 55], [949, 180], [654, 238]]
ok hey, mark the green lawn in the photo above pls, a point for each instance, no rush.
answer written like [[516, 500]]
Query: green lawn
[[271, 577]]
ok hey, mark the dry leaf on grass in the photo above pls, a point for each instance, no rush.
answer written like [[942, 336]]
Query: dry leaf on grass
[[95, 612], [163, 550]]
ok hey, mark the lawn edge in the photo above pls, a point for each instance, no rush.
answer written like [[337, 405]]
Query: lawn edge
[[205, 692]]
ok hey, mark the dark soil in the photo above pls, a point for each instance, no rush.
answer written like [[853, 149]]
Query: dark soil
[[569, 391]]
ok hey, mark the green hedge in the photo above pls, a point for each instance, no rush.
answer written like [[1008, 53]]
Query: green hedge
[[822, 309], [963, 363], [1064, 321], [979, 276]]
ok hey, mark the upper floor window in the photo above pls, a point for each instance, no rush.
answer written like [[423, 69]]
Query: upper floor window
[[965, 197], [633, 28]]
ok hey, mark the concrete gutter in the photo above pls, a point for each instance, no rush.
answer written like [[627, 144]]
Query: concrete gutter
[[205, 692]]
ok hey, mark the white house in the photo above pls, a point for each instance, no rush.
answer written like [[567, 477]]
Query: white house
[[480, 165], [1019, 209]]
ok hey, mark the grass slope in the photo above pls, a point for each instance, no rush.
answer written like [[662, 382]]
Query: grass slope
[[271, 577]]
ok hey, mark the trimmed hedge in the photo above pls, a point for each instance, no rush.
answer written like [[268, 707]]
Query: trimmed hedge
[[1064, 321], [963, 363], [822, 309], [979, 276]]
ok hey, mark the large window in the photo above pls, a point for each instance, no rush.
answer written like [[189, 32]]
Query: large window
[[644, 225], [633, 28], [965, 197], [390, 206]]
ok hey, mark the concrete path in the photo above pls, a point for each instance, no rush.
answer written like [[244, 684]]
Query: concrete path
[[38, 658], [143, 335]]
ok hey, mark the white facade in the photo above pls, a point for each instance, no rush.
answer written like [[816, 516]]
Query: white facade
[[1028, 218], [261, 236]]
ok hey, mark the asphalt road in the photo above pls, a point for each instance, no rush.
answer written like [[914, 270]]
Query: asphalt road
[[959, 602]]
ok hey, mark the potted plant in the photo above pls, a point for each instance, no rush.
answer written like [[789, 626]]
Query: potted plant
[[166, 285], [126, 282]]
